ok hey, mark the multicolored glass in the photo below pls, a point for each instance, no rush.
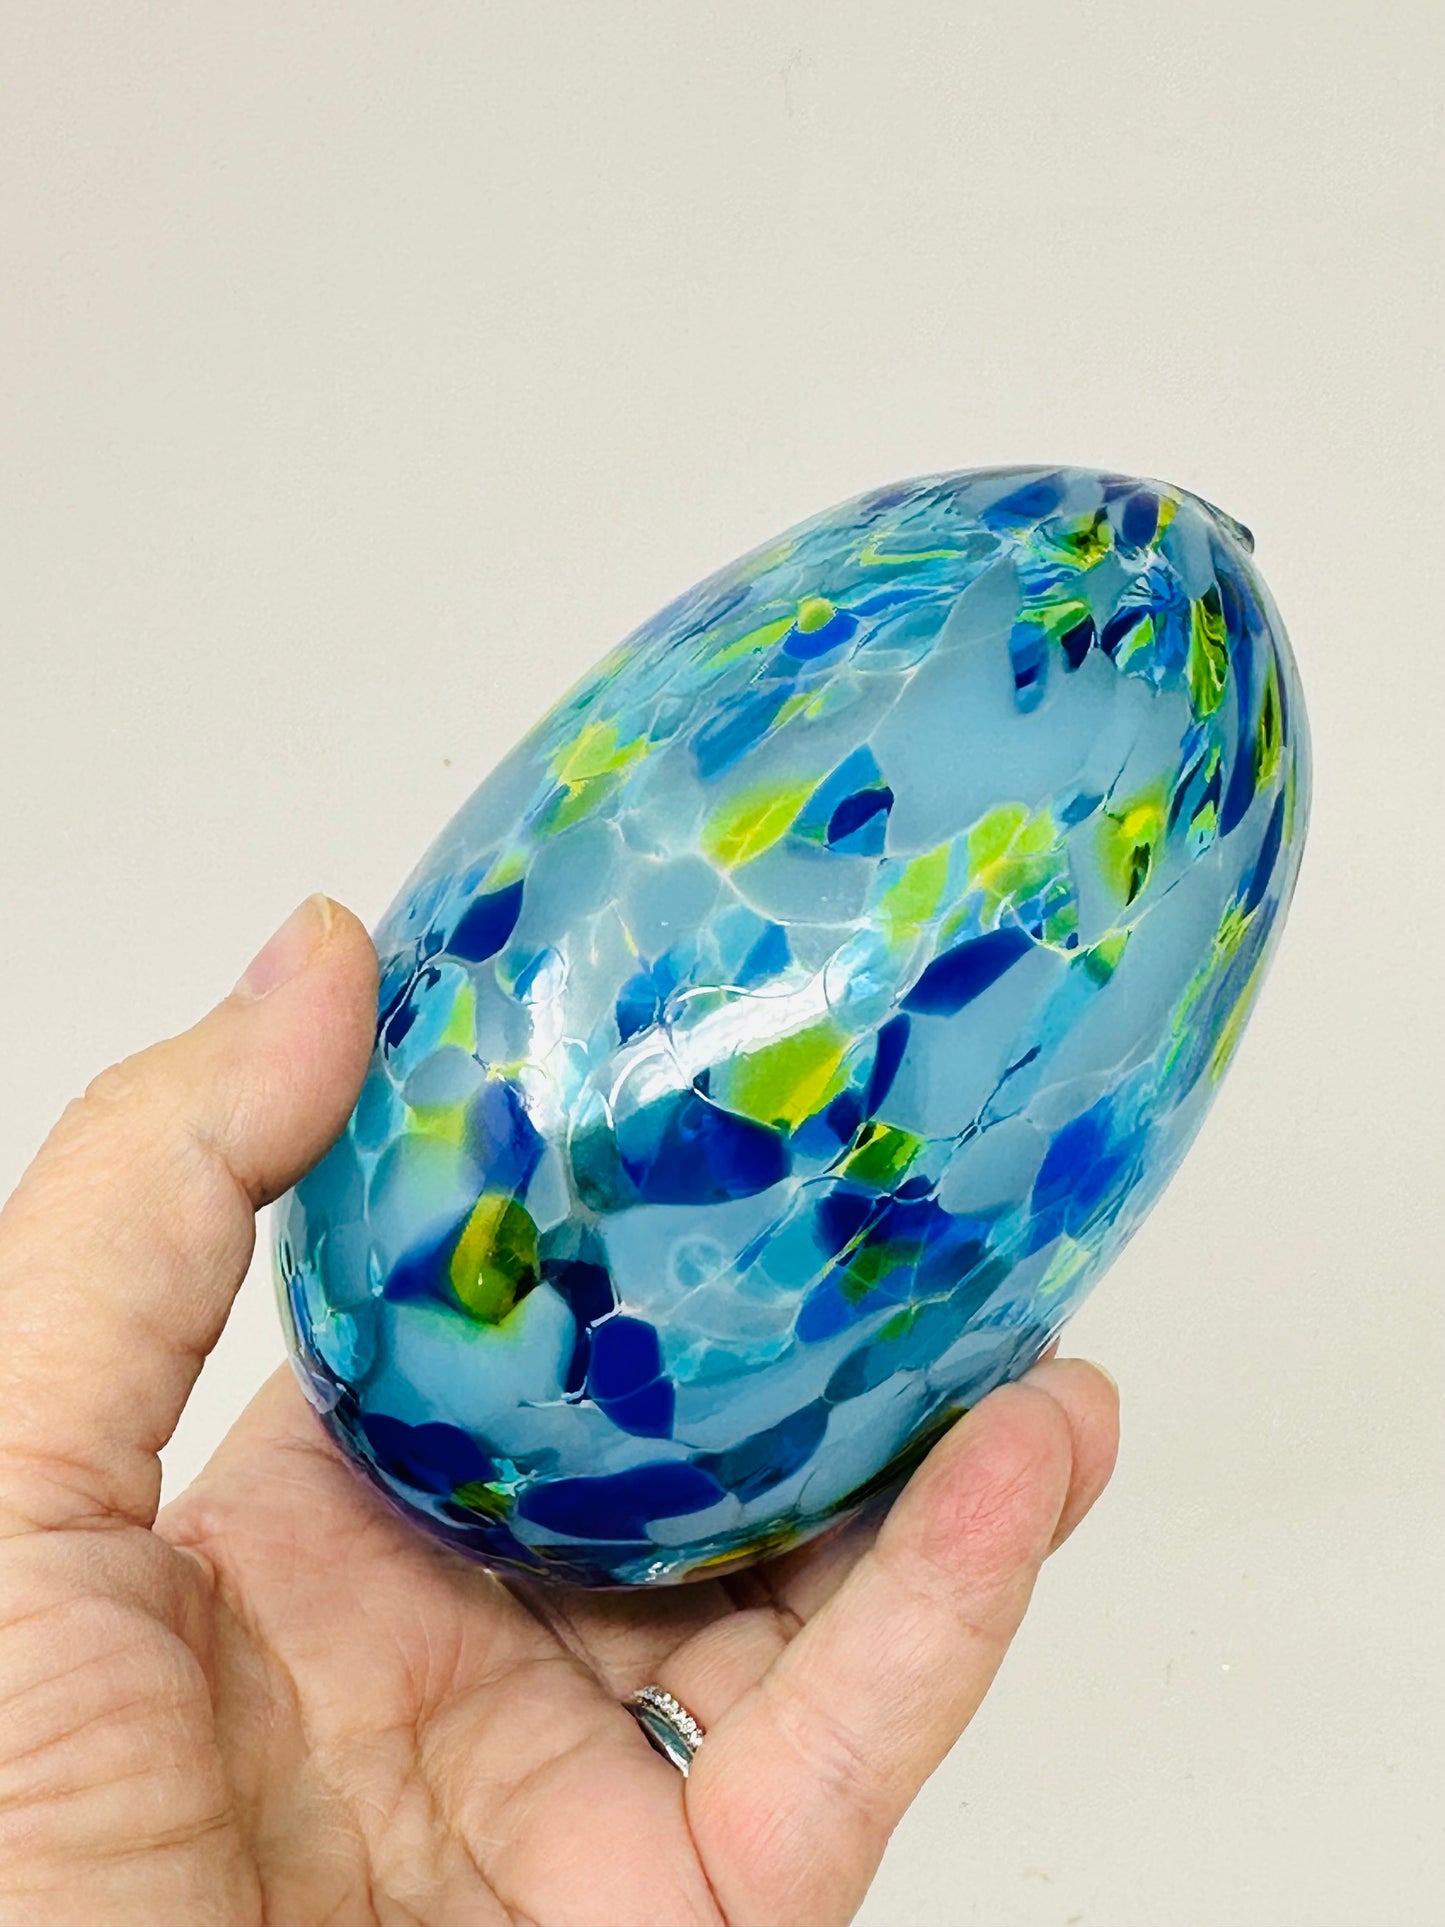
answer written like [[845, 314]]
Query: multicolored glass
[[776, 1046]]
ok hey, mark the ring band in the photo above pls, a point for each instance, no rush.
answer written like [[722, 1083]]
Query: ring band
[[667, 1723]]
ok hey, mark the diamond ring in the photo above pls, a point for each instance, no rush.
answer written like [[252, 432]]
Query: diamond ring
[[668, 1725]]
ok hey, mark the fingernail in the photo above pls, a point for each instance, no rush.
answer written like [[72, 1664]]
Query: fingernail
[[287, 954]]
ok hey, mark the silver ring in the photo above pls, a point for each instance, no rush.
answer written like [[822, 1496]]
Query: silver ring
[[668, 1725]]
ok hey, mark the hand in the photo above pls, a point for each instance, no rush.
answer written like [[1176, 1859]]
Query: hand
[[276, 1702]]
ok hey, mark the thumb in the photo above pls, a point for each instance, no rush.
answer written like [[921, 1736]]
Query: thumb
[[124, 1245]]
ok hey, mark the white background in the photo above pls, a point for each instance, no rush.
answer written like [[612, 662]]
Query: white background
[[366, 370]]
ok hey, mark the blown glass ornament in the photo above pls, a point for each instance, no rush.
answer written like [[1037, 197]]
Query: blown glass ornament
[[777, 1045]]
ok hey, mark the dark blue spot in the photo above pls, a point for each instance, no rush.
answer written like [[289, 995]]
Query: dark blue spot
[[845, 1114], [401, 1013], [1140, 518], [1118, 627], [860, 821], [892, 1042], [1028, 653], [574, 1379], [966, 971], [823, 1135], [433, 1457], [1020, 1063], [888, 497], [685, 1150], [768, 956], [619, 1505], [1242, 612], [819, 642], [1072, 1153], [1078, 641], [910, 1220], [396, 975], [1181, 788], [1079, 809], [421, 1273], [861, 1370], [638, 1005], [825, 1311], [584, 1287], [1027, 504], [646, 1413], [1268, 856], [625, 1355], [1085, 1167], [1240, 794], [838, 1217], [502, 1136], [767, 1458], [486, 924]]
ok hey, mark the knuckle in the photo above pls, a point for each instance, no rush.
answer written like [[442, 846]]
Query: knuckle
[[118, 1083], [832, 1752]]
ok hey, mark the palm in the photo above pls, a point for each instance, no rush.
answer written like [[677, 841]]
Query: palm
[[277, 1702], [450, 1757]]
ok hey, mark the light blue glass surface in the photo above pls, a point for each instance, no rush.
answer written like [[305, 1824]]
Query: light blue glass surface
[[776, 1046]]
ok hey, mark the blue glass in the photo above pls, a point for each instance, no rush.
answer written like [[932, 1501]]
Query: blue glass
[[777, 1045]]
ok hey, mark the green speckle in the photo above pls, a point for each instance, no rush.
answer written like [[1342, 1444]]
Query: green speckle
[[901, 1323], [814, 612], [756, 639], [461, 1028], [870, 1264], [1058, 617], [1014, 858], [1269, 738], [1129, 839], [495, 1262], [1208, 653], [746, 825], [595, 752], [1010, 852], [1139, 639], [785, 1083], [588, 770], [913, 894], [1232, 1028], [480, 1496], [1065, 1265], [572, 801], [871, 556], [880, 1154], [1088, 540], [1101, 959]]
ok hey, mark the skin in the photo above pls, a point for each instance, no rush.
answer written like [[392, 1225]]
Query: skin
[[273, 1702]]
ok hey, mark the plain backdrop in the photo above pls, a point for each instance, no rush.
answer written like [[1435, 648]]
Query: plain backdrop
[[368, 369]]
